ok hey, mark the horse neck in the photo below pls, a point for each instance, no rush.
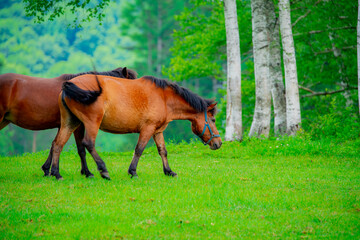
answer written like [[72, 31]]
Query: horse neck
[[178, 108]]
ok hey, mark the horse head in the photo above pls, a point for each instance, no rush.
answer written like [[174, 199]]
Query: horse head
[[204, 126]]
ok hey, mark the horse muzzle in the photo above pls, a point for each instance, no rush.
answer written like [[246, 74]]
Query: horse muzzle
[[215, 145]]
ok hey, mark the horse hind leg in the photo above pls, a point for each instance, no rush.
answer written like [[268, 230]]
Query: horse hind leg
[[79, 136], [69, 123], [92, 129], [61, 139]]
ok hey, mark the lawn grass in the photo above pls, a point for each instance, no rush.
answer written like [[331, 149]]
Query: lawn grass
[[288, 189]]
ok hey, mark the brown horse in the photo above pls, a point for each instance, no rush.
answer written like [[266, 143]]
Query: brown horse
[[32, 103], [145, 105]]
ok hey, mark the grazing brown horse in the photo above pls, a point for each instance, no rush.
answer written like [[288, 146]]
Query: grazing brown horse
[[145, 105], [32, 103]]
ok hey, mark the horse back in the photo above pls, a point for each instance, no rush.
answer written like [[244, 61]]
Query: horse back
[[126, 105]]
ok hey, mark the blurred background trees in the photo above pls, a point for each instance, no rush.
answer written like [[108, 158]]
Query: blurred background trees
[[185, 41]]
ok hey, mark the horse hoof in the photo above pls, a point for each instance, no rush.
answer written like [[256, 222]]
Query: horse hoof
[[171, 174], [105, 175], [133, 174], [60, 179], [87, 174], [46, 172]]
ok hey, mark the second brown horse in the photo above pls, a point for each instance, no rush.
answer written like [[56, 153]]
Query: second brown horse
[[145, 106]]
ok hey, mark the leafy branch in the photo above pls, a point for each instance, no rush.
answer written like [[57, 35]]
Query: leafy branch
[[51, 10]]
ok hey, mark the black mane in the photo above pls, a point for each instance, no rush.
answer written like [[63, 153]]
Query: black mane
[[198, 103], [113, 73]]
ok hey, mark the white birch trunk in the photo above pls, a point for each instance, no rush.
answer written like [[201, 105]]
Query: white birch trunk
[[233, 130], [275, 72], [293, 116], [261, 121], [358, 52]]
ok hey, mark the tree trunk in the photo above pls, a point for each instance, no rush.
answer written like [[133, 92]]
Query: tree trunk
[[233, 130], [275, 72], [293, 116], [358, 51], [34, 141], [261, 121], [197, 85], [214, 86]]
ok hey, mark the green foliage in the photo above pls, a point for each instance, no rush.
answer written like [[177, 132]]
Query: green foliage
[[149, 25], [261, 189], [197, 43], [200, 45], [337, 124], [50, 10], [325, 43]]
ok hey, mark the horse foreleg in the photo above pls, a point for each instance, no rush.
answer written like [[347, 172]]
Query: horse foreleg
[[144, 138], [160, 143], [46, 166], [79, 136]]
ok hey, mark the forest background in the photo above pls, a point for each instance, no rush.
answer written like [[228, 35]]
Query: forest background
[[185, 41]]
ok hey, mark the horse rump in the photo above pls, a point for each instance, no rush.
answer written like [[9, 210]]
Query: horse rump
[[77, 94]]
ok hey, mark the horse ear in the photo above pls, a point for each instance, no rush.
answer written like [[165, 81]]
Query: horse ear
[[125, 72], [212, 106]]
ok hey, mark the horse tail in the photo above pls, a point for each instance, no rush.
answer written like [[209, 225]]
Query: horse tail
[[85, 97]]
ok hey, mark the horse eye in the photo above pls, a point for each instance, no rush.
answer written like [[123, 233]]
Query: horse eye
[[213, 120]]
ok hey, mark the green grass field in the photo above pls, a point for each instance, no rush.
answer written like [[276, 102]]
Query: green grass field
[[288, 189]]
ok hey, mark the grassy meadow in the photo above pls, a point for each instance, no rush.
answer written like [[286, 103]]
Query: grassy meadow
[[257, 189]]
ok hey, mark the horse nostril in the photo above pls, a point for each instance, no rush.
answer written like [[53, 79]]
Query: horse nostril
[[216, 145]]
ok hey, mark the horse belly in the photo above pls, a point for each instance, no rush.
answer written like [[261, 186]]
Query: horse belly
[[35, 117], [122, 122]]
